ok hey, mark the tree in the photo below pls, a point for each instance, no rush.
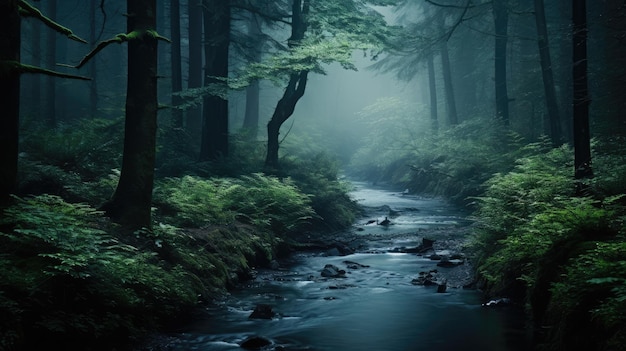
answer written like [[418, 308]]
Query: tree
[[50, 86], [453, 118], [217, 19], [296, 86], [500, 16], [93, 69], [9, 99], [175, 56], [132, 200], [547, 74], [432, 88], [194, 114], [582, 147], [336, 28], [251, 117], [10, 70]]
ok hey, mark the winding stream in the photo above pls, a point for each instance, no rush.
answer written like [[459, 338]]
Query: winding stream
[[375, 307]]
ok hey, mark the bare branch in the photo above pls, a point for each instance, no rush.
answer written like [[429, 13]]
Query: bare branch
[[30, 11], [24, 68], [120, 38]]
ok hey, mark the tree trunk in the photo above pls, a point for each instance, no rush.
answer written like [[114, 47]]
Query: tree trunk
[[294, 90], [500, 17], [175, 56], [546, 70], [9, 99], [51, 49], [284, 109], [194, 114], [432, 87], [582, 147], [214, 139], [453, 118], [251, 117], [93, 71], [132, 199]]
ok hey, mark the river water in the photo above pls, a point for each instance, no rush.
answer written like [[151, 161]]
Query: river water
[[375, 307]]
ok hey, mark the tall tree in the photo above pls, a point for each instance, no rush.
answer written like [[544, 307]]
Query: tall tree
[[453, 118], [175, 57], [547, 74], [432, 88], [217, 19], [500, 16], [582, 147], [132, 200], [93, 68], [51, 51], [194, 114], [296, 86], [9, 99], [10, 70], [251, 116], [322, 32]]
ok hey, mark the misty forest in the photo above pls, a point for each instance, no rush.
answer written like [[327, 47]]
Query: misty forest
[[312, 175]]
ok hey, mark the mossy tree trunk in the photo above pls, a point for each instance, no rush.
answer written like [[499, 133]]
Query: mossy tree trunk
[[295, 88], [214, 140], [131, 202], [9, 98]]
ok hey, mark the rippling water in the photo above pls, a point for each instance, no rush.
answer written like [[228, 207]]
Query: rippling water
[[372, 308]]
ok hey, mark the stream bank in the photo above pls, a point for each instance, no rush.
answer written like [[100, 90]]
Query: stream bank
[[365, 288]]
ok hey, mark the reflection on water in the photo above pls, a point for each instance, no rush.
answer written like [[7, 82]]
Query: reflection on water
[[373, 308]]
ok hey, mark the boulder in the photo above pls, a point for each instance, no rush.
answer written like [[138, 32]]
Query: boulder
[[332, 271], [430, 278], [262, 311], [255, 343], [355, 265]]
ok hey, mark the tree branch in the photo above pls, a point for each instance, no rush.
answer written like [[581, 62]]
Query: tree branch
[[120, 38], [28, 10], [254, 10], [24, 68]]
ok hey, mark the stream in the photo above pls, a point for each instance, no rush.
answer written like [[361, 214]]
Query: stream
[[375, 306]]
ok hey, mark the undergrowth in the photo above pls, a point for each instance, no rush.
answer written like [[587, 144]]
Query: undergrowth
[[561, 254]]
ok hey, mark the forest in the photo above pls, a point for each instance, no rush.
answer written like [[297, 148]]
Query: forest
[[155, 153]]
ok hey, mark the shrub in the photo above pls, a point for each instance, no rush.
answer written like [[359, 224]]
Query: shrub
[[63, 273], [265, 201]]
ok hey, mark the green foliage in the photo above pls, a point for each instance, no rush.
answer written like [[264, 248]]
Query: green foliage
[[318, 177], [591, 298], [89, 147], [74, 161], [65, 235], [401, 148], [561, 252], [265, 201], [62, 272]]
